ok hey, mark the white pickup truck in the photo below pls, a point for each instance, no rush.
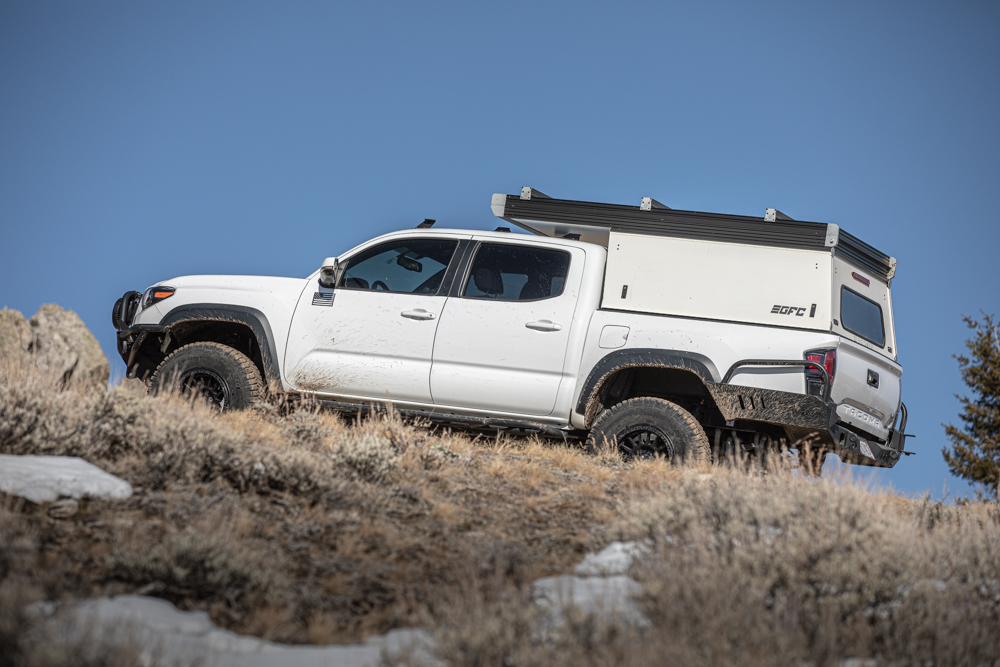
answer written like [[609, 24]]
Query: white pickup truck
[[659, 331]]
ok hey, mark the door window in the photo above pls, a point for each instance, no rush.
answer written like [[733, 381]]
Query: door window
[[516, 273], [411, 266]]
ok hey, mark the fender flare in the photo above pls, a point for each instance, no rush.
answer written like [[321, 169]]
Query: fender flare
[[225, 312], [618, 360]]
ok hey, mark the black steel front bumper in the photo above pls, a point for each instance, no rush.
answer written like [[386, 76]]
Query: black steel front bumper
[[808, 419]]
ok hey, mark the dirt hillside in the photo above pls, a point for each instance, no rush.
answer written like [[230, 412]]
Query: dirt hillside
[[301, 526]]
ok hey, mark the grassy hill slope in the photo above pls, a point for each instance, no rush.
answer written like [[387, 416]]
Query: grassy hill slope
[[300, 526]]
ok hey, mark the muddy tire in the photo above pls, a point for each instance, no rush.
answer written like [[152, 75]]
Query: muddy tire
[[650, 427], [225, 377]]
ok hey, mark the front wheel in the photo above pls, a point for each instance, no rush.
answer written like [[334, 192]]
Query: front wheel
[[646, 427], [225, 377]]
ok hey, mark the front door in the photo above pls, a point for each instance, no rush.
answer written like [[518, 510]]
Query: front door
[[501, 343], [373, 336]]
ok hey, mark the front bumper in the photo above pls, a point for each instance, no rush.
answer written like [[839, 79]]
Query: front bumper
[[130, 336], [808, 419]]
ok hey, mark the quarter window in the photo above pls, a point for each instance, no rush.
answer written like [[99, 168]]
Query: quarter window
[[516, 273], [861, 316], [412, 266]]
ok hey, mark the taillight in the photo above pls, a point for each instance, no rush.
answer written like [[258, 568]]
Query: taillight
[[826, 358]]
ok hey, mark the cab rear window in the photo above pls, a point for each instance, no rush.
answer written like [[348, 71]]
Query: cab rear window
[[861, 316]]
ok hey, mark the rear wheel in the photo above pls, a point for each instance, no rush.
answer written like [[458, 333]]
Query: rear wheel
[[225, 377], [645, 427]]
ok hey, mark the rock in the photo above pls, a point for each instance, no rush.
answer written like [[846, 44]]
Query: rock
[[62, 344], [42, 479], [15, 334], [64, 509], [174, 637]]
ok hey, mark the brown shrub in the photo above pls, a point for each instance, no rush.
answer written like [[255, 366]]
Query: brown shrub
[[774, 569], [758, 566], [298, 525], [211, 559], [18, 546], [286, 521], [170, 440]]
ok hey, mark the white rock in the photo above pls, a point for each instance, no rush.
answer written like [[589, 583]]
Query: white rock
[[42, 479], [614, 559], [170, 636], [599, 595]]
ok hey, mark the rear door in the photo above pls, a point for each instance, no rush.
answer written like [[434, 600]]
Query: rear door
[[867, 383], [373, 336], [501, 343]]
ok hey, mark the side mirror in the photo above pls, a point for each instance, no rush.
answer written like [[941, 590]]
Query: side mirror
[[329, 273]]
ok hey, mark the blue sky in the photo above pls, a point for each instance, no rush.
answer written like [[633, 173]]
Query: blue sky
[[140, 141]]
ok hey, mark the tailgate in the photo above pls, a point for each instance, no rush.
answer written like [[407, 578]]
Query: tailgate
[[866, 384], [866, 388]]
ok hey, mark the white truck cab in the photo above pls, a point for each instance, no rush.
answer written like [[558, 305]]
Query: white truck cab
[[657, 331]]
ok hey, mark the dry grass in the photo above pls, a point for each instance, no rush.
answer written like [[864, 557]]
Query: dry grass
[[768, 569], [296, 525], [299, 526]]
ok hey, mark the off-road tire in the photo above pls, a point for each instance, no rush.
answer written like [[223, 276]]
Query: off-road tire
[[240, 379], [682, 438]]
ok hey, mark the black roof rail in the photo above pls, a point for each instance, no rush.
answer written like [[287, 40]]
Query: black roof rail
[[594, 221]]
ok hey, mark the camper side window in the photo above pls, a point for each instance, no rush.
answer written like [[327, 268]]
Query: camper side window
[[516, 273], [861, 316]]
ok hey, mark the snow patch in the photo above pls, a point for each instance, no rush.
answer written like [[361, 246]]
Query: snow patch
[[604, 596], [42, 479], [614, 559], [170, 636], [601, 585]]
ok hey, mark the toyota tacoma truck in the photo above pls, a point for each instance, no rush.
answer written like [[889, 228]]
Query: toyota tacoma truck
[[660, 332]]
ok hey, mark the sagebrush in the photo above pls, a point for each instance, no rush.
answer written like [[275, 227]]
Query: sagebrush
[[302, 526]]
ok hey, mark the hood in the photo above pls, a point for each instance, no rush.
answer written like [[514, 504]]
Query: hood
[[240, 283]]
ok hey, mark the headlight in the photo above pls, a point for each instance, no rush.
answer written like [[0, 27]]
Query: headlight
[[156, 294]]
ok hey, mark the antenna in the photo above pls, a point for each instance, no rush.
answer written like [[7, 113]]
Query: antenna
[[426, 224]]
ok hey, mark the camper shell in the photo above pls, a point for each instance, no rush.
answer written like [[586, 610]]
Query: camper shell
[[760, 274], [724, 267]]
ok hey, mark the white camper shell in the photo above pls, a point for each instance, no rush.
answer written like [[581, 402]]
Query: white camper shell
[[772, 271]]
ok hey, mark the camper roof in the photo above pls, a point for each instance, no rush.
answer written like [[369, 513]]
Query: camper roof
[[593, 222]]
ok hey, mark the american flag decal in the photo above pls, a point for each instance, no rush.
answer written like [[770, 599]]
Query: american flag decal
[[323, 299]]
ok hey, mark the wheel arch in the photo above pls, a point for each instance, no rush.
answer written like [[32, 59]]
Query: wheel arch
[[676, 371], [230, 324]]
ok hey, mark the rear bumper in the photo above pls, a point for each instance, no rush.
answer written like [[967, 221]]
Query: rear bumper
[[808, 419]]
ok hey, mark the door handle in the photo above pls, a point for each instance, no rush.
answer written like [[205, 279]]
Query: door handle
[[543, 325], [418, 314]]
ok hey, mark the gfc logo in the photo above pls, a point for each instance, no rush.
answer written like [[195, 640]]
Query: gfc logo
[[798, 311]]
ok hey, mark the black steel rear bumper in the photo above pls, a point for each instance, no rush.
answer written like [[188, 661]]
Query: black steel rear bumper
[[808, 419]]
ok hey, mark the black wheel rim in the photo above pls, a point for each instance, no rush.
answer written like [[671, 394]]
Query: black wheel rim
[[208, 384], [645, 441]]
